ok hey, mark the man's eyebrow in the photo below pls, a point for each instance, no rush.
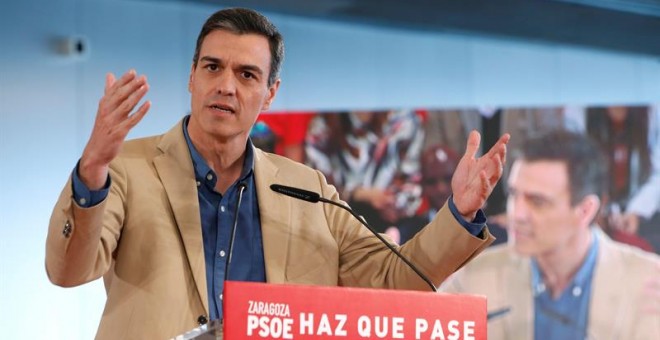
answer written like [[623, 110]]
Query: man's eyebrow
[[528, 195], [210, 59], [245, 67], [253, 68], [537, 197]]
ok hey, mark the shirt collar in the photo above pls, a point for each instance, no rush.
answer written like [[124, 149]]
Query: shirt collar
[[582, 277], [203, 171]]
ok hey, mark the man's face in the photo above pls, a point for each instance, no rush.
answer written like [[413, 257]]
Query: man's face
[[229, 85], [541, 220]]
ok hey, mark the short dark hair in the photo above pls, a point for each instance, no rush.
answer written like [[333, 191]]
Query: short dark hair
[[585, 163], [245, 21]]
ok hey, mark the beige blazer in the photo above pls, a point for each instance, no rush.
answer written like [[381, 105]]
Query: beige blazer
[[145, 239], [614, 312]]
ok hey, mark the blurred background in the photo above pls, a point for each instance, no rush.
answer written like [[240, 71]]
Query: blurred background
[[390, 68]]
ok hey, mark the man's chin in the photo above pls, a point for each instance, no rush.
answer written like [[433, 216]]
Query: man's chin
[[521, 249]]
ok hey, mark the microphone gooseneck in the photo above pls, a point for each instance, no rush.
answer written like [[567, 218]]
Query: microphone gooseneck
[[313, 197], [241, 188], [497, 313]]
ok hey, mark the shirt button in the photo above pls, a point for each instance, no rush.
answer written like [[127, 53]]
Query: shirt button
[[540, 288], [577, 291], [82, 201], [199, 183], [220, 296], [222, 253], [209, 177], [222, 208]]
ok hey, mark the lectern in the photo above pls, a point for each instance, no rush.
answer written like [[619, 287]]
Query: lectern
[[274, 311]]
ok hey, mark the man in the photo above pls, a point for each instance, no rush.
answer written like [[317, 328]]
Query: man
[[153, 216], [560, 277]]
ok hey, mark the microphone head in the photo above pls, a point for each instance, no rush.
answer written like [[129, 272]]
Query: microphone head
[[304, 195]]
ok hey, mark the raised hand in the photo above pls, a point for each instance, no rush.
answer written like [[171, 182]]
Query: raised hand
[[475, 178], [114, 119]]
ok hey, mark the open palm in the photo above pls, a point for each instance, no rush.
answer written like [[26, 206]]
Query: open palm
[[475, 178]]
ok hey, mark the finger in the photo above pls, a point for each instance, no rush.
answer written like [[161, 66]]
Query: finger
[[120, 103], [497, 170], [132, 120], [500, 147], [128, 105], [127, 96], [486, 186], [110, 101], [504, 140], [474, 139], [109, 81], [126, 78], [140, 113]]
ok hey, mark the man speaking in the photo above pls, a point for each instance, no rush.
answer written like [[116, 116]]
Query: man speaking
[[154, 216]]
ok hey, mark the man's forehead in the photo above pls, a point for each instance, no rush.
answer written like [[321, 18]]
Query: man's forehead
[[542, 178], [252, 45]]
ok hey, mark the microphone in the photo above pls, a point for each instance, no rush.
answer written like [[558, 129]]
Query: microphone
[[314, 197], [241, 187], [213, 329], [498, 313]]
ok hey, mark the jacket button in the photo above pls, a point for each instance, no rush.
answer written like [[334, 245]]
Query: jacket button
[[67, 229], [202, 320]]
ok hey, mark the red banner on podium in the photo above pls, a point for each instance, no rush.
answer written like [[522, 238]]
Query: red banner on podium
[[269, 311]]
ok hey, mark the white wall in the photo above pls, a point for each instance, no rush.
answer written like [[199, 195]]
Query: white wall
[[48, 103]]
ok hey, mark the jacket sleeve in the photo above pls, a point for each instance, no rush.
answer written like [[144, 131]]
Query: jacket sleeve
[[81, 241], [441, 248]]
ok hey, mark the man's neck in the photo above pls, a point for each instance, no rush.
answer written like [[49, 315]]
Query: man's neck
[[225, 157], [558, 267]]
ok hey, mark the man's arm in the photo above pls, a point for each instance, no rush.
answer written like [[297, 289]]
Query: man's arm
[[81, 239], [441, 247], [78, 247]]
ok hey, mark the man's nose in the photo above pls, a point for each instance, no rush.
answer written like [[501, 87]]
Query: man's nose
[[516, 207], [225, 83]]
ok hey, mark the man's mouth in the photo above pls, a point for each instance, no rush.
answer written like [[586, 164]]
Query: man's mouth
[[521, 233], [223, 108]]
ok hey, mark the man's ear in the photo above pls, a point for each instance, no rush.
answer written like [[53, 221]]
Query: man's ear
[[190, 78], [272, 91], [588, 209]]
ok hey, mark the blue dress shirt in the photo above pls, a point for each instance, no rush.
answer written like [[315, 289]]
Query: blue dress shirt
[[567, 317], [217, 216]]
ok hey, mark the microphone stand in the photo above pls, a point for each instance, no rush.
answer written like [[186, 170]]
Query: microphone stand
[[313, 197], [241, 188]]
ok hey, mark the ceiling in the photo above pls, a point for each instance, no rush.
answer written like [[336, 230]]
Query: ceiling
[[631, 26]]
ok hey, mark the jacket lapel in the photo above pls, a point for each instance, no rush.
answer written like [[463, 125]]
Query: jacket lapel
[[176, 172], [518, 287], [606, 310], [275, 212]]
